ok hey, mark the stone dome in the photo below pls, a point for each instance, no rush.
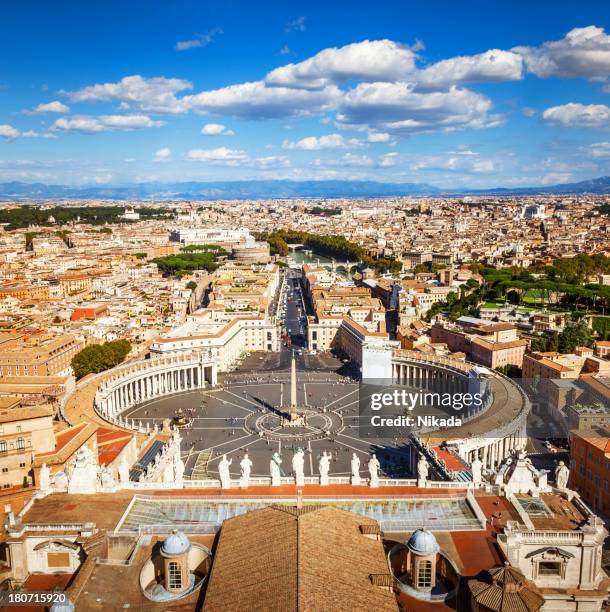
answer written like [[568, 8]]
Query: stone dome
[[423, 542], [176, 544]]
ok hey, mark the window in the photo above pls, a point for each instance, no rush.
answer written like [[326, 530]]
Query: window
[[174, 575], [20, 443], [22, 465], [4, 470], [424, 575], [3, 446], [549, 568]]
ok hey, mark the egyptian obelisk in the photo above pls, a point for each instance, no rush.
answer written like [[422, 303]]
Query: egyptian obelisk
[[293, 389]]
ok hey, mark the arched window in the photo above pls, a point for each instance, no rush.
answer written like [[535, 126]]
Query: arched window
[[424, 575], [174, 576]]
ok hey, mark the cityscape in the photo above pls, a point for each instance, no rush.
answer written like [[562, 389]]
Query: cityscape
[[319, 294]]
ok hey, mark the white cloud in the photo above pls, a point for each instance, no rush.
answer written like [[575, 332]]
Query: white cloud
[[369, 60], [597, 149], [200, 41], [528, 111], [296, 25], [378, 137], [257, 101], [578, 115], [105, 123], [223, 156], [398, 108], [162, 155], [493, 65], [216, 129], [583, 52], [285, 50], [50, 107], [8, 131], [329, 141], [388, 160], [483, 166], [157, 94]]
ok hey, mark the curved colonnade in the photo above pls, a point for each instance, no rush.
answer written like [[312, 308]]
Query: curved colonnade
[[148, 379], [495, 429]]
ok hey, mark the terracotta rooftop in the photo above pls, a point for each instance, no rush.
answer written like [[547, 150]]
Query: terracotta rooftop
[[286, 558]]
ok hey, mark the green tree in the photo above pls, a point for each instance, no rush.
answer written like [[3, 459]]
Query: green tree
[[100, 357]]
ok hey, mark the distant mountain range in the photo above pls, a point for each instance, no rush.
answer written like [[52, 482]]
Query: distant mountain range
[[275, 189]]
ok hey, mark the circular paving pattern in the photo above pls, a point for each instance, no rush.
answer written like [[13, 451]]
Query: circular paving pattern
[[246, 413]]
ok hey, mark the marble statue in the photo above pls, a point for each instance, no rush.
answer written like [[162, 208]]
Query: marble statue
[[178, 469], [324, 467], [223, 472], [355, 469], [374, 466], [44, 477], [246, 467], [476, 468], [106, 478], [83, 475], [422, 471], [298, 466], [562, 475], [124, 471], [275, 469]]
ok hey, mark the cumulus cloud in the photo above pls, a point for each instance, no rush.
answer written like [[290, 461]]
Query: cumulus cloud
[[50, 107], [162, 155], [223, 156], [598, 149], [157, 94], [493, 65], [216, 129], [399, 108], [296, 25], [369, 60], [255, 100], [583, 52], [201, 40], [105, 123], [11, 133], [578, 115], [329, 141], [8, 131], [378, 137]]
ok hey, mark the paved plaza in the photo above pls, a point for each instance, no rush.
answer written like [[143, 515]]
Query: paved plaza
[[246, 414]]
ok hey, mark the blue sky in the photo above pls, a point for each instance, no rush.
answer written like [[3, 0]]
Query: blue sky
[[453, 94]]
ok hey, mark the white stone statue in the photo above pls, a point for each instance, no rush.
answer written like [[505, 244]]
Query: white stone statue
[[298, 466], [562, 475], [44, 477], [178, 469], [83, 476], [324, 467], [124, 470], [106, 478], [275, 469], [476, 468], [246, 467], [374, 466], [356, 480], [223, 472], [422, 471]]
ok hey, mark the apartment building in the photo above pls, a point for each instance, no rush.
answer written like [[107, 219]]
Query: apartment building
[[491, 344], [590, 463], [24, 430], [44, 355]]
